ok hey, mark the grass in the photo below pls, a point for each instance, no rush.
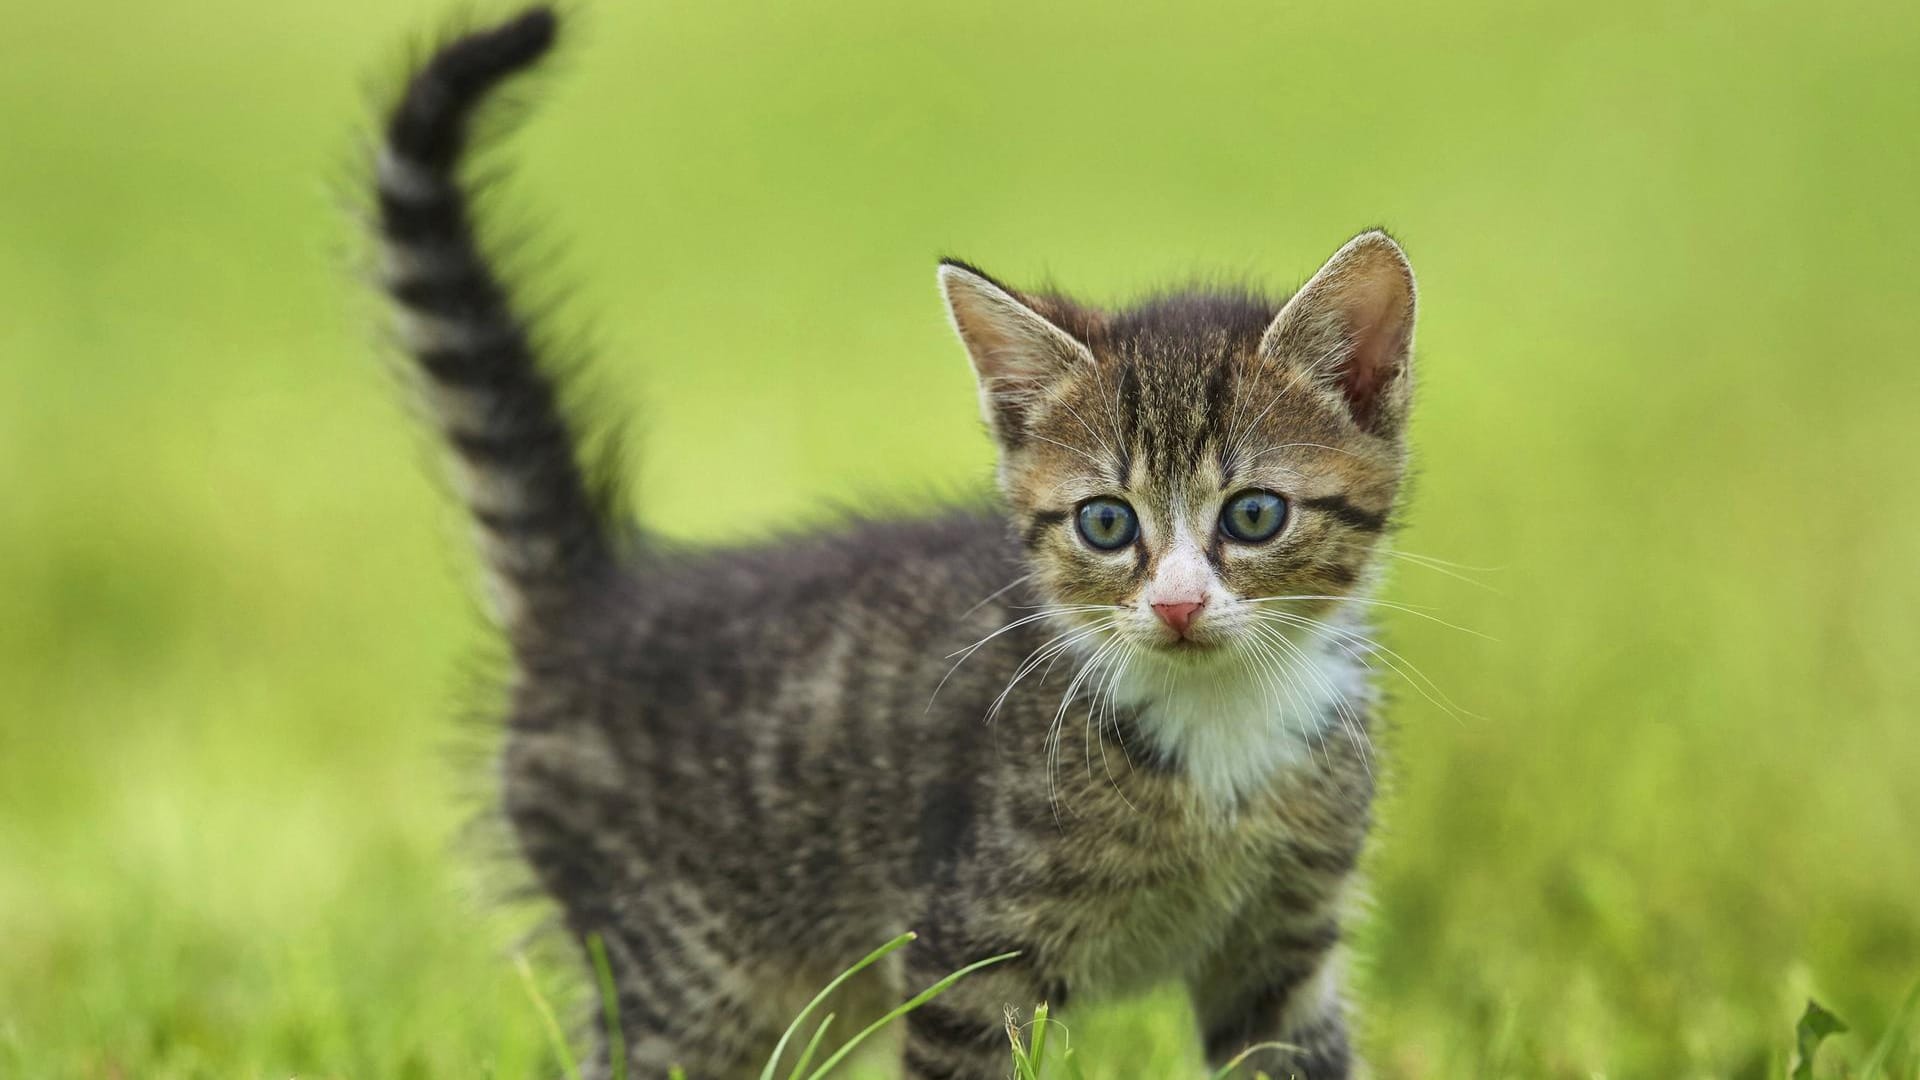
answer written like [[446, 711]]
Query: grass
[[1667, 364], [1027, 1042]]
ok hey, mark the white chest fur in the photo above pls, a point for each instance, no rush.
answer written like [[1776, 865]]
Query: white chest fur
[[1238, 722]]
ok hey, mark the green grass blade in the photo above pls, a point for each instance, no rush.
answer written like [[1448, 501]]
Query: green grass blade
[[1240, 1058], [906, 1007], [1814, 1027], [1072, 1065], [865, 962], [610, 1003], [1031, 1060], [1027, 1058], [555, 1038], [1037, 1037], [812, 1047], [1905, 1018]]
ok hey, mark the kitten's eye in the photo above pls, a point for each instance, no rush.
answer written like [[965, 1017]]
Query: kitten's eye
[[1253, 517], [1107, 524]]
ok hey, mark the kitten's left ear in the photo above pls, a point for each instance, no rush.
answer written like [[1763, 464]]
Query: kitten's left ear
[[1352, 323], [1017, 352]]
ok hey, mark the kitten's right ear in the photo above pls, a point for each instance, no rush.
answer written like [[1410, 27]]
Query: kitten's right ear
[[1352, 324], [1017, 353]]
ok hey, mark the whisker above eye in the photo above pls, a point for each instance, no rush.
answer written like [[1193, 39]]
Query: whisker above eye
[[1293, 445], [1070, 448], [1055, 395]]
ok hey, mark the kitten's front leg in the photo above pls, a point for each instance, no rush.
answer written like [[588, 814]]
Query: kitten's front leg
[[1286, 991]]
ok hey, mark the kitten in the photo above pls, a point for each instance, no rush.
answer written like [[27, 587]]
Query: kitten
[[1119, 723]]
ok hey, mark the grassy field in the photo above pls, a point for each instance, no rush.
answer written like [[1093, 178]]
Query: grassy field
[[1670, 374]]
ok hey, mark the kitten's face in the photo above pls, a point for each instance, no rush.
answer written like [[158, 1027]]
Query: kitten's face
[[1174, 468]]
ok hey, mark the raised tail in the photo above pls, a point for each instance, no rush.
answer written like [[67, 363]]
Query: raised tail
[[543, 532]]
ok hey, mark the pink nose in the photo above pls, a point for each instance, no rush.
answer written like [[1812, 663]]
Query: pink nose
[[1178, 616]]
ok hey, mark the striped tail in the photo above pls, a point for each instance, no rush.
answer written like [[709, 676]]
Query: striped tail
[[543, 530]]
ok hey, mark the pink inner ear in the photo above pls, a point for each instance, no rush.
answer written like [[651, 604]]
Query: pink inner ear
[[1377, 341], [1352, 324]]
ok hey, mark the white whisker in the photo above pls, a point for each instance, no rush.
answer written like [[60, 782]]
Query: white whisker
[[1094, 713], [1399, 664], [1055, 395], [1275, 678], [1311, 445], [1045, 610], [1044, 654], [996, 594], [964, 654], [1427, 562], [1389, 604], [1059, 716], [1355, 727], [1069, 447]]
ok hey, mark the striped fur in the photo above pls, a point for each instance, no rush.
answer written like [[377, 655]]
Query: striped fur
[[541, 526], [744, 768]]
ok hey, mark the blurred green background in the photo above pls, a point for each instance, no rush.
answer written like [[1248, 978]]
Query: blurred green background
[[1668, 382]]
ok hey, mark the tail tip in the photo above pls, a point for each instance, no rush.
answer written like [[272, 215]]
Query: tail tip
[[427, 124], [485, 56], [526, 37]]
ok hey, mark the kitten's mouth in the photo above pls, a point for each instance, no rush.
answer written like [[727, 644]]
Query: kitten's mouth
[[1186, 645]]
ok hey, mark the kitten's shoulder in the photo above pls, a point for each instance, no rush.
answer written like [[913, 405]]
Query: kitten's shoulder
[[875, 563]]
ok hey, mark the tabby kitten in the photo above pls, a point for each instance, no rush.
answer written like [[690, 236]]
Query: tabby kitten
[[1118, 723]]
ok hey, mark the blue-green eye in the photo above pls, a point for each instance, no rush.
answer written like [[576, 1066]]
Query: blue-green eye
[[1107, 524], [1253, 517]]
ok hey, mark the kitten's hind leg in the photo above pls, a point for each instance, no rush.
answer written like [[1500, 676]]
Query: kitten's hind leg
[[948, 1042], [962, 1034], [678, 1006]]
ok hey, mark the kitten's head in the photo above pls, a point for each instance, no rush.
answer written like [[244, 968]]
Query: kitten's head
[[1172, 466]]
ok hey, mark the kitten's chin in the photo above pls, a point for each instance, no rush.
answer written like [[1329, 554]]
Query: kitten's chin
[[1197, 649]]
